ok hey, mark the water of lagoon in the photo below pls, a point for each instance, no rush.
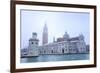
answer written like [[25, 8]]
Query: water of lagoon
[[48, 58]]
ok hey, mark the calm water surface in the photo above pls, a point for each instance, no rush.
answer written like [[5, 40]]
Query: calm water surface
[[47, 58]]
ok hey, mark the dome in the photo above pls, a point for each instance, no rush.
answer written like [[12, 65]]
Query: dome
[[66, 35], [81, 37]]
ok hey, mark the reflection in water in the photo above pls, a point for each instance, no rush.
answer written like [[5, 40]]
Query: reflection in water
[[47, 58]]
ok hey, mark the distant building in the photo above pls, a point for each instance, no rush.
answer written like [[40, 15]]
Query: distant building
[[63, 45], [24, 52], [87, 48], [33, 45]]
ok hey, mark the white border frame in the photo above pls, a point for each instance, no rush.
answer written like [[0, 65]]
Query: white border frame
[[52, 64]]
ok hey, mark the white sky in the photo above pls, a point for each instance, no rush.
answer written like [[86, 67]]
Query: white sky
[[57, 22]]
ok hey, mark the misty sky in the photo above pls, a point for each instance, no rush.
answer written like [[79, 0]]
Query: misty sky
[[57, 22]]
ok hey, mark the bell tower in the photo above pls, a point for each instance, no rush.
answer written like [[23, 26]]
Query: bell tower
[[45, 34]]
